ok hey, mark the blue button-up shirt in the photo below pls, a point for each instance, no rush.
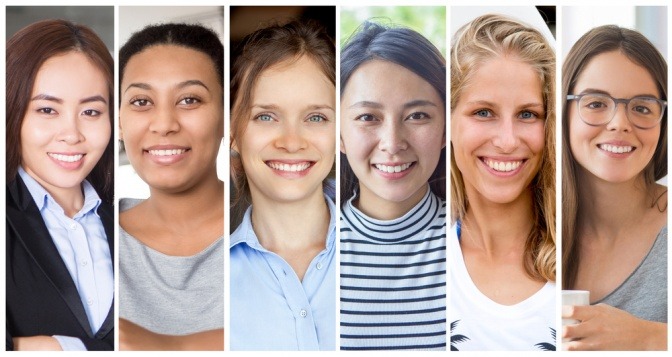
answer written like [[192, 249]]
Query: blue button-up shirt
[[271, 309], [82, 244]]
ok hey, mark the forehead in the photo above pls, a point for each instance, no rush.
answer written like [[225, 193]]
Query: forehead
[[72, 70], [383, 81], [296, 80], [616, 74], [168, 62], [503, 78]]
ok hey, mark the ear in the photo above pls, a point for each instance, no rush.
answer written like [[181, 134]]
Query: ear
[[342, 146], [121, 130]]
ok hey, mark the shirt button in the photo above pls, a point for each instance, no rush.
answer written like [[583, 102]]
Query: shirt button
[[84, 263], [319, 265], [89, 302], [303, 313], [73, 226]]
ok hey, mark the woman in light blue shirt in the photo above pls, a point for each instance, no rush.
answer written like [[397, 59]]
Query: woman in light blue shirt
[[283, 147], [60, 283]]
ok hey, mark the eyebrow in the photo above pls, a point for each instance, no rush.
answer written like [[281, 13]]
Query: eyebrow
[[95, 98], [276, 107], [376, 105], [600, 91], [187, 83], [491, 104]]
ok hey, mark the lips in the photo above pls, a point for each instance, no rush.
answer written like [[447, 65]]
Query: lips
[[391, 168], [66, 157], [503, 166], [67, 160], [166, 154], [616, 149], [290, 169]]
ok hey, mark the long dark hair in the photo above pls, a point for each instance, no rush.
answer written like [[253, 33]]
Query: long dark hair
[[410, 50], [642, 52], [27, 50]]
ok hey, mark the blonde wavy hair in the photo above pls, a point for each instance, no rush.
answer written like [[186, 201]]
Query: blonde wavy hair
[[492, 36]]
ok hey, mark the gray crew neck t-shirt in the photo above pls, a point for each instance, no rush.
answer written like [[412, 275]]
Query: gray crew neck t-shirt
[[644, 292], [166, 294]]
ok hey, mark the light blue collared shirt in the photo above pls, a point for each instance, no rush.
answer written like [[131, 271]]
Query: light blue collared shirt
[[271, 309], [82, 244]]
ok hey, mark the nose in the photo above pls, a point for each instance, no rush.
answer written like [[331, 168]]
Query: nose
[[70, 133], [164, 121], [506, 139], [620, 121], [291, 138], [392, 138]]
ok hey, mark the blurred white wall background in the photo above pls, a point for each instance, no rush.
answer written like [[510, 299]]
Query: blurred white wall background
[[135, 18]]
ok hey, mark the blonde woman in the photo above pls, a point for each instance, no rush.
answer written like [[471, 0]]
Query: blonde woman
[[503, 195]]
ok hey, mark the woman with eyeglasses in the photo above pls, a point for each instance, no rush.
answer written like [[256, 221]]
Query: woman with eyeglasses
[[614, 223]]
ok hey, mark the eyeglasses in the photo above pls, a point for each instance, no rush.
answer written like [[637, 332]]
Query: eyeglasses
[[599, 109]]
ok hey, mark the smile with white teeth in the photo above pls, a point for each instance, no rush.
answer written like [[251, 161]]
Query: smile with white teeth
[[167, 152], [615, 148], [503, 166], [289, 167], [66, 158], [391, 169]]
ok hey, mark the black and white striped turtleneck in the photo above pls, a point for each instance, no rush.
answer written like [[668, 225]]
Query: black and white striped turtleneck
[[393, 279]]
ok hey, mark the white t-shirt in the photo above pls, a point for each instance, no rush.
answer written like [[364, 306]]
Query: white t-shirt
[[479, 324]]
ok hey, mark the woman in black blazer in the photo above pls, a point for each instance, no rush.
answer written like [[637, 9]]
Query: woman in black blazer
[[60, 284]]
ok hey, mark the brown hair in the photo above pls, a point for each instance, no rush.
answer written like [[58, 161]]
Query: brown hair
[[482, 39], [642, 52], [27, 50], [261, 50]]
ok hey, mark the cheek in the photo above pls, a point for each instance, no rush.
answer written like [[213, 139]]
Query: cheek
[[358, 142], [536, 137]]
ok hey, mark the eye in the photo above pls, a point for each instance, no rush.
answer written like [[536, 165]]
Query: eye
[[317, 118], [526, 114], [483, 113], [91, 113], [365, 117], [189, 101], [640, 109], [264, 117], [418, 116], [140, 102], [48, 111]]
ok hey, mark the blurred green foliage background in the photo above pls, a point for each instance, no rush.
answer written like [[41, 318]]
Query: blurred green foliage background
[[430, 21]]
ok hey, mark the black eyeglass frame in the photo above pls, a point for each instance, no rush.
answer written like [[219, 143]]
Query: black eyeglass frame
[[577, 98]]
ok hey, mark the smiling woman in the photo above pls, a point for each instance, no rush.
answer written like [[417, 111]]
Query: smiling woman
[[60, 283], [503, 187], [393, 246], [171, 121], [283, 146]]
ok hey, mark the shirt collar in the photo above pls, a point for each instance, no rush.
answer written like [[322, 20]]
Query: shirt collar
[[42, 197]]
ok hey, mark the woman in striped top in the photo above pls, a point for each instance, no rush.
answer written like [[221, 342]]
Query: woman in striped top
[[503, 187], [393, 236]]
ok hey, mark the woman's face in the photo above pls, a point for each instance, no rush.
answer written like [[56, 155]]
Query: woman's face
[[289, 143], [392, 131], [171, 116], [66, 127], [497, 131], [596, 148]]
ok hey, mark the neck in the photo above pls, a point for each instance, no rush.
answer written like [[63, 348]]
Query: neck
[[609, 208], [498, 228], [290, 225], [196, 205], [377, 207], [71, 199]]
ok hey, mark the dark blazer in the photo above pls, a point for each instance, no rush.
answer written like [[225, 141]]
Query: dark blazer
[[42, 298]]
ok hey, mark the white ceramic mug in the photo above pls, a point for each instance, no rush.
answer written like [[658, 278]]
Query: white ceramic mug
[[574, 298]]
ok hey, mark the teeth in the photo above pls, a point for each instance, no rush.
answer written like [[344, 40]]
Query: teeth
[[288, 167], [66, 158], [167, 152], [391, 169], [503, 166], [616, 149]]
